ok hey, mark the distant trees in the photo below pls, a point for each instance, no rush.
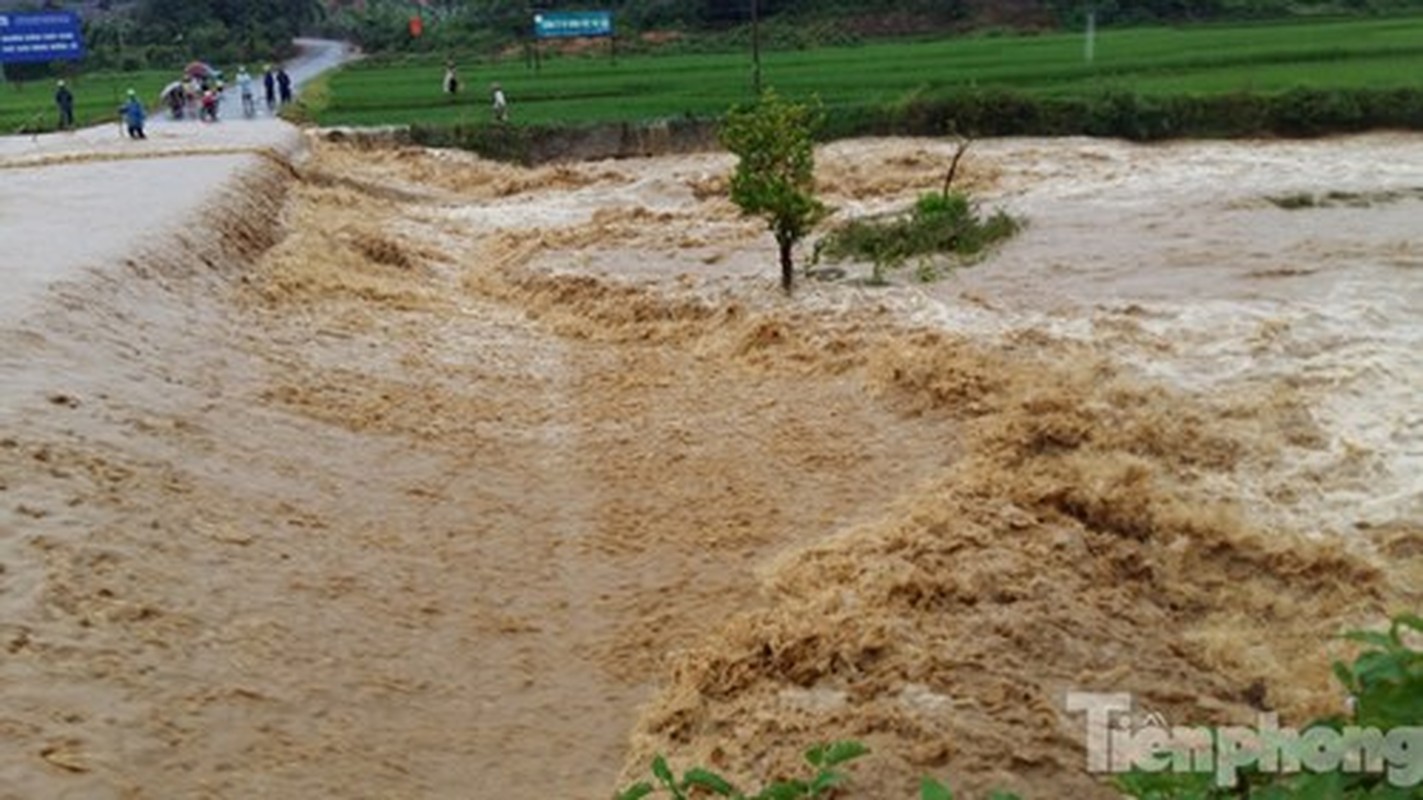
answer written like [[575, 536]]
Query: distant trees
[[225, 29]]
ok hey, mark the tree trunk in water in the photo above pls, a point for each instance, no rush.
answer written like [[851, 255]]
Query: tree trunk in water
[[787, 266]]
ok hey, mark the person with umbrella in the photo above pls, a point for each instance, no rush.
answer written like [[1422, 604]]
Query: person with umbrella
[[174, 96]]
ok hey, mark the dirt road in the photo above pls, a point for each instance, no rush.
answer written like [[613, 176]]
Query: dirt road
[[397, 473]]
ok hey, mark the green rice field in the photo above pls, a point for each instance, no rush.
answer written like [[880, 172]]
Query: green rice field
[[1367, 53], [97, 96]]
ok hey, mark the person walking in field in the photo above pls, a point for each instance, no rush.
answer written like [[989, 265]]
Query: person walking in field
[[501, 104], [64, 99], [134, 116], [451, 84]]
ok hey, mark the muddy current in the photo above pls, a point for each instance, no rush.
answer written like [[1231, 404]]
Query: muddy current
[[400, 473]]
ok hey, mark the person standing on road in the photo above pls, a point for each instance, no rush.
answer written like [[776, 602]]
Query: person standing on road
[[244, 87], [65, 100], [134, 116], [501, 105], [269, 83], [284, 86]]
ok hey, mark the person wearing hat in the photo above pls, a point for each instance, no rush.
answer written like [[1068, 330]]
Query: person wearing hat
[[134, 115], [65, 100]]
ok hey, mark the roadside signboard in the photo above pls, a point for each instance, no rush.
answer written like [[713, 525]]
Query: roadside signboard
[[30, 37], [568, 24]]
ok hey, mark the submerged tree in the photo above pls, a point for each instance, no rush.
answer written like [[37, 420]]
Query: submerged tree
[[775, 174]]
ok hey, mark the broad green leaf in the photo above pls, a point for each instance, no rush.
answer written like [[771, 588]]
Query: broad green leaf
[[784, 790], [664, 774], [1346, 676], [1411, 621], [1380, 640], [827, 779], [636, 792], [708, 780], [834, 753], [1375, 667], [930, 789]]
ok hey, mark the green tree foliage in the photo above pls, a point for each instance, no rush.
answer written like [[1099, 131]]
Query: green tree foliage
[[775, 174], [226, 29]]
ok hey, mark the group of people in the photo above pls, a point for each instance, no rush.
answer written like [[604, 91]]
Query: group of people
[[132, 112], [196, 97], [199, 96], [451, 86]]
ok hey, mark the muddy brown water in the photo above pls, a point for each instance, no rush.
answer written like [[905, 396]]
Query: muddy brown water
[[428, 477]]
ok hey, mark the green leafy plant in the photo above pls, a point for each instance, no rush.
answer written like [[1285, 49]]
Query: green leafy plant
[[774, 141], [1385, 682], [930, 789], [938, 223], [825, 759]]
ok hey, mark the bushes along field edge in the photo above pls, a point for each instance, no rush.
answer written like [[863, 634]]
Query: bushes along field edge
[[1300, 112]]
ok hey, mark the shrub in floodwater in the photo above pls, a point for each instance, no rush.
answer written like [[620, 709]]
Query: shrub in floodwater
[[938, 223], [1291, 202]]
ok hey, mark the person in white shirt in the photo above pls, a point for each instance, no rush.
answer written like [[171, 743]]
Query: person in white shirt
[[501, 105]]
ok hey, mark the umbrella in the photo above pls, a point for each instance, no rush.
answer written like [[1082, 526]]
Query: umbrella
[[175, 86], [198, 69]]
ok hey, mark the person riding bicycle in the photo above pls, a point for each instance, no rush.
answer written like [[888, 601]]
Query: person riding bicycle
[[244, 86]]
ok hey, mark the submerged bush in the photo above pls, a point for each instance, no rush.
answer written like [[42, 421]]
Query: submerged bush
[[939, 224]]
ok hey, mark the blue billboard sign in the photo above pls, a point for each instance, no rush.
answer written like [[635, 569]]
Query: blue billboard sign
[[567, 24], [29, 37]]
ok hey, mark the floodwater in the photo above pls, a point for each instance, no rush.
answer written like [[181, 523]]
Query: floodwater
[[399, 473]]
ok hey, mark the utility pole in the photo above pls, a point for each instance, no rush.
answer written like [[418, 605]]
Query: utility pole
[[755, 48]]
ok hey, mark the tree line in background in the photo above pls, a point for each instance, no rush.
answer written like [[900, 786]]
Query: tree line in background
[[166, 34], [163, 34]]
